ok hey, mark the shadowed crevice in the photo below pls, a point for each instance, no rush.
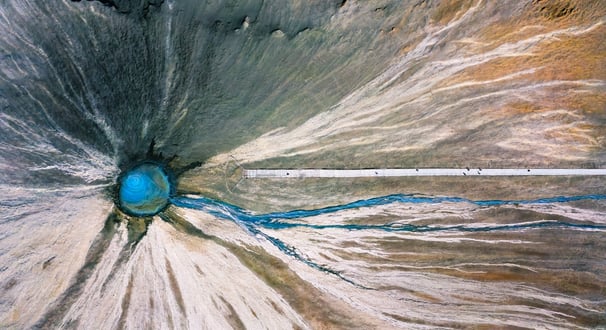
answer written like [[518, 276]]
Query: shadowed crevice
[[137, 7], [187, 167], [318, 309], [137, 229], [185, 226], [174, 286], [126, 303], [232, 318], [55, 315]]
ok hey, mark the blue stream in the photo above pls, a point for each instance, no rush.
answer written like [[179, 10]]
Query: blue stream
[[252, 222], [274, 220]]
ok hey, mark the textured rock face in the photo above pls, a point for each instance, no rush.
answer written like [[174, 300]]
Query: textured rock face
[[86, 87], [133, 7]]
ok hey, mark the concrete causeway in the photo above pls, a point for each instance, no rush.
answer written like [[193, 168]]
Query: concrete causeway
[[406, 172]]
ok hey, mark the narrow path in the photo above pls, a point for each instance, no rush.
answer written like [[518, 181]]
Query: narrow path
[[396, 172]]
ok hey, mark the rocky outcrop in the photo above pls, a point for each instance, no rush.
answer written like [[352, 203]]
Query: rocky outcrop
[[136, 7]]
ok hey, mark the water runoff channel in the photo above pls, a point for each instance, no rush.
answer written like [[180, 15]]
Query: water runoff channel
[[255, 224]]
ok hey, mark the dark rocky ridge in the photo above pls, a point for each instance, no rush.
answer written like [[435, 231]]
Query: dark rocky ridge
[[136, 7]]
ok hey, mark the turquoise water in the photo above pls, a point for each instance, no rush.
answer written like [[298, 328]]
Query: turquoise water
[[144, 190], [254, 223], [276, 220]]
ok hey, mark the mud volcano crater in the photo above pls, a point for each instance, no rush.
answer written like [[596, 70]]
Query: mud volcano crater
[[144, 190], [127, 127]]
